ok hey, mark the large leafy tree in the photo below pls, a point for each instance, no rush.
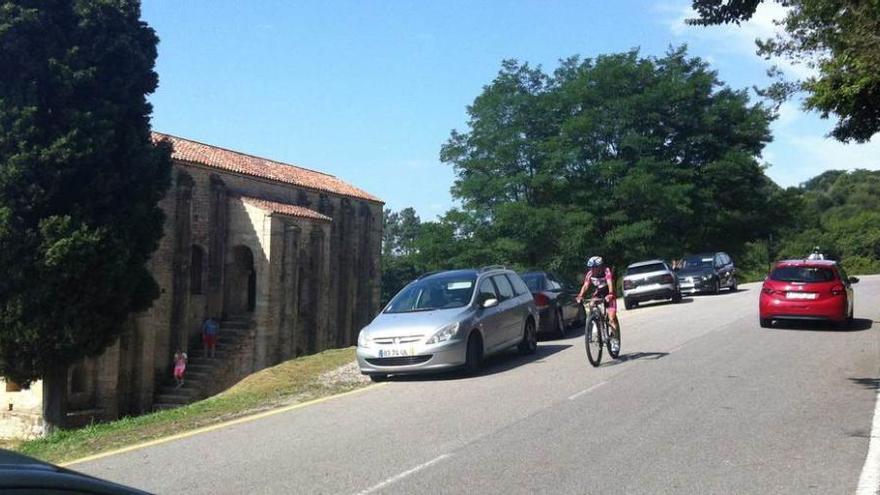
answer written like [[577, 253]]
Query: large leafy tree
[[839, 38], [79, 182], [622, 155], [400, 233]]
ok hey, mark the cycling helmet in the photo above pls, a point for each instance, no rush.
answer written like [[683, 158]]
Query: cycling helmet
[[816, 249], [595, 261]]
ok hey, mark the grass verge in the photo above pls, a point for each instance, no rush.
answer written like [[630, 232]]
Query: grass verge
[[293, 381]]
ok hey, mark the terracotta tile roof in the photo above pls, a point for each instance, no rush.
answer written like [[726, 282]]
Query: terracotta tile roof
[[233, 161], [285, 209]]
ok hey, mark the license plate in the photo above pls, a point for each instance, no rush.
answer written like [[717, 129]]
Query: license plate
[[397, 352], [800, 295]]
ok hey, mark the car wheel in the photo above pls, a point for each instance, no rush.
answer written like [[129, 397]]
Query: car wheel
[[716, 289], [766, 323], [628, 304], [529, 343], [560, 324], [733, 285], [378, 377], [473, 360], [676, 298]]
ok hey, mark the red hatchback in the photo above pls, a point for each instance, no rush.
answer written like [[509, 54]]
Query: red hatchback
[[812, 290]]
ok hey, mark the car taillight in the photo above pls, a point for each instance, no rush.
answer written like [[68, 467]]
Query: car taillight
[[837, 290], [541, 300], [627, 284], [767, 290], [666, 279]]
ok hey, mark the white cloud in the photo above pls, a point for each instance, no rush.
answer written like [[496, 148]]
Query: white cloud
[[796, 158], [789, 112], [736, 39]]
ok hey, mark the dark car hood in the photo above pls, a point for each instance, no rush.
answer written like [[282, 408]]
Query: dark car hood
[[693, 272]]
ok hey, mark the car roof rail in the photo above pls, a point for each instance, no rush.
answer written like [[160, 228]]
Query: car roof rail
[[492, 267], [428, 274]]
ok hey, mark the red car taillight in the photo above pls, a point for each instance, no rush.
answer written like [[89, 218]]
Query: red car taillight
[[837, 290], [667, 279], [541, 300], [627, 284], [767, 290]]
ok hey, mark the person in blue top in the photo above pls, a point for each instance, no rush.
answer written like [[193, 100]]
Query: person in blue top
[[210, 328]]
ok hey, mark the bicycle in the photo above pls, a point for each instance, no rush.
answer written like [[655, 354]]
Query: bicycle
[[598, 324]]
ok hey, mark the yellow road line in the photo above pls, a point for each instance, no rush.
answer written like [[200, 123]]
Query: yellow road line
[[205, 429]]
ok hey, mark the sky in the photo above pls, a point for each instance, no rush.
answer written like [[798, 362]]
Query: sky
[[369, 90]]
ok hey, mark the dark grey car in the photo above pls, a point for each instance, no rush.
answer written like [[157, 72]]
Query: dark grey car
[[707, 273], [555, 300], [449, 320]]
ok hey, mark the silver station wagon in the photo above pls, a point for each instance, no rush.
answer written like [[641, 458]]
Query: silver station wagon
[[449, 320]]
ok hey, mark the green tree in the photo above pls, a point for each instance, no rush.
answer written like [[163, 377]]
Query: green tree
[[840, 213], [627, 156], [400, 234], [838, 38], [79, 183]]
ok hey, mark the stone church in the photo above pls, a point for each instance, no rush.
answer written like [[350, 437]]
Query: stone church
[[285, 258]]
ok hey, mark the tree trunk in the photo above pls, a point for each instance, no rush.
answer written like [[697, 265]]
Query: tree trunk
[[54, 399]]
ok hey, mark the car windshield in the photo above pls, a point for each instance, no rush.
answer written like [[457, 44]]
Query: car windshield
[[535, 281], [693, 262], [437, 292], [653, 267], [804, 274]]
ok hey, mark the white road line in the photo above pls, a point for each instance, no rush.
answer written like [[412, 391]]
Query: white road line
[[869, 481], [402, 475], [582, 392]]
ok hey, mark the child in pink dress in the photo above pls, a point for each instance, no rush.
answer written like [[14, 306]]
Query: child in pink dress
[[179, 367]]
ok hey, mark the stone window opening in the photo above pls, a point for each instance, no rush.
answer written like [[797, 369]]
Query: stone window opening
[[196, 269], [241, 282], [78, 379]]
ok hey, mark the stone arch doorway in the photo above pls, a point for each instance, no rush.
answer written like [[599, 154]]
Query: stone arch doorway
[[241, 282]]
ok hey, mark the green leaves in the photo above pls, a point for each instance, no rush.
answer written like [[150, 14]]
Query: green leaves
[[838, 38], [627, 156]]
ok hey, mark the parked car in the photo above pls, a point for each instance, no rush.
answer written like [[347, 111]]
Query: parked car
[[649, 281], [555, 301], [22, 474], [449, 320], [707, 273], [811, 290]]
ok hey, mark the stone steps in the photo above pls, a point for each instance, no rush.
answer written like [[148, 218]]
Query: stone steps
[[200, 369]]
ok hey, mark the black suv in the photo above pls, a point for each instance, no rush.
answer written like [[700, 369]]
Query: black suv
[[706, 272]]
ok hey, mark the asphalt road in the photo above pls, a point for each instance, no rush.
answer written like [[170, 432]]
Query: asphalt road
[[702, 401]]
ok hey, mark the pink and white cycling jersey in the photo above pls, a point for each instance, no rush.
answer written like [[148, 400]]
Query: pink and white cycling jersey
[[601, 281]]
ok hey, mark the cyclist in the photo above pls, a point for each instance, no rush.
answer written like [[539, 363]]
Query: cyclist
[[599, 276]]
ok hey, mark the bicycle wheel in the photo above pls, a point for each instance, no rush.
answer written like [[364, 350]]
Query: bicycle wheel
[[593, 339], [613, 352]]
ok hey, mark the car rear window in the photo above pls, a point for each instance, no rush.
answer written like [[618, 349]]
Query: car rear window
[[534, 281], [505, 290], [653, 267], [802, 274], [518, 285]]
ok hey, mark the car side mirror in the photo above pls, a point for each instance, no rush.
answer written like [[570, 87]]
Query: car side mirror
[[489, 303], [854, 280]]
